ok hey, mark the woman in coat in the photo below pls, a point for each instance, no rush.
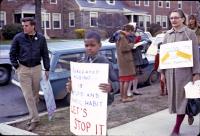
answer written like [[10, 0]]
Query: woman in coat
[[177, 78], [127, 72]]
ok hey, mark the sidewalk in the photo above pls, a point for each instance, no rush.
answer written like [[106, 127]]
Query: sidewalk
[[147, 116], [157, 124]]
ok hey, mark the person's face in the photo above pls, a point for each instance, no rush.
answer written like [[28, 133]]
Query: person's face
[[92, 46], [176, 20], [28, 28], [192, 21]]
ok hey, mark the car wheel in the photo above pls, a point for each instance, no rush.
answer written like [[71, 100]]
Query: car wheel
[[5, 75], [154, 77]]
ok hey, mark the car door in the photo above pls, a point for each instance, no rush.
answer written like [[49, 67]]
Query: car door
[[61, 73]]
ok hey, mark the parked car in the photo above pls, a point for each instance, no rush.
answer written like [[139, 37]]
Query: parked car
[[5, 65], [61, 53]]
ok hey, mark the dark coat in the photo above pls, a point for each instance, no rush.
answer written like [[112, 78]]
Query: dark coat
[[29, 51]]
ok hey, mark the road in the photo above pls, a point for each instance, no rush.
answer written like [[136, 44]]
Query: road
[[13, 106]]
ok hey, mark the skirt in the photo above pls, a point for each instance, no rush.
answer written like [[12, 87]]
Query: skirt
[[126, 78]]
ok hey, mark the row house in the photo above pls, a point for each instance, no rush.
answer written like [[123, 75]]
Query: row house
[[61, 17]]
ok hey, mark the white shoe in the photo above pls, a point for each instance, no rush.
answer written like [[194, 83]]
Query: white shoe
[[129, 93]]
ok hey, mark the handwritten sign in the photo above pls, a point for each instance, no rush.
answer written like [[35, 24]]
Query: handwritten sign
[[48, 96], [88, 105], [192, 90], [176, 55]]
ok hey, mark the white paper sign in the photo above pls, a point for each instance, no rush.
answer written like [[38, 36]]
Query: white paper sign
[[88, 105], [48, 96], [192, 90], [176, 55]]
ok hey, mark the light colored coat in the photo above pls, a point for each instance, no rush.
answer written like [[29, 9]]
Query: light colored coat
[[177, 78], [125, 57]]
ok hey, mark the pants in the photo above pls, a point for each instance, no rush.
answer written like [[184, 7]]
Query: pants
[[29, 78]]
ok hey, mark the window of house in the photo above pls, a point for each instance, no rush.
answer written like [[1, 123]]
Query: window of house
[[146, 3], [53, 1], [160, 4], [91, 1], [46, 19], [111, 2], [158, 19], [56, 20], [164, 21], [93, 19], [180, 4], [148, 20], [137, 2], [2, 18], [71, 19], [141, 21], [167, 4]]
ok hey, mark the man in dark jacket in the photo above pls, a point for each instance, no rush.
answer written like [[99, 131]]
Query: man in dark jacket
[[27, 49]]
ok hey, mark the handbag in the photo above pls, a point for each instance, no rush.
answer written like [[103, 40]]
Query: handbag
[[193, 107]]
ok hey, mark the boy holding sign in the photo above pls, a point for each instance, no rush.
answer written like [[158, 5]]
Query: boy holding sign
[[84, 103]]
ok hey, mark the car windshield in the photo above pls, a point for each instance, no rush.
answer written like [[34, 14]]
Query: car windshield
[[63, 63]]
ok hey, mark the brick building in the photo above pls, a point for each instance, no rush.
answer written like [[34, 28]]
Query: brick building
[[62, 17]]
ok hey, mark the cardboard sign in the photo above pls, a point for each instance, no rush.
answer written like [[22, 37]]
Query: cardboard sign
[[48, 96], [88, 105], [192, 90], [176, 55]]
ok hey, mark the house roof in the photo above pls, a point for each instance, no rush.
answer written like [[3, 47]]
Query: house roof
[[119, 6]]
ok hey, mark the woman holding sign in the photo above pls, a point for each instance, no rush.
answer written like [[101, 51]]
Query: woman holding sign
[[177, 78]]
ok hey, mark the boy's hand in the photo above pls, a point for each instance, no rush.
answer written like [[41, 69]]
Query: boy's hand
[[105, 87], [69, 86]]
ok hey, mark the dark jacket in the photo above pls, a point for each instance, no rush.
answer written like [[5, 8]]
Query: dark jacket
[[28, 51]]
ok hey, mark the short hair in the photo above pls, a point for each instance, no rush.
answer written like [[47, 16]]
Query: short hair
[[30, 19], [128, 27], [181, 13], [94, 35]]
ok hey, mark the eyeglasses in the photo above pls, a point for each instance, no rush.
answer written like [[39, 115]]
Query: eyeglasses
[[175, 18]]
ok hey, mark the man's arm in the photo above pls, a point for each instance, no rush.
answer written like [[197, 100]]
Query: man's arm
[[45, 55], [14, 53]]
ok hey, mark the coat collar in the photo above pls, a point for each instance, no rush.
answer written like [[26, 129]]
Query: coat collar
[[179, 31]]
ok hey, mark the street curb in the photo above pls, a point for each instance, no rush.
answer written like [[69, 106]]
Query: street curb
[[7, 129], [26, 118]]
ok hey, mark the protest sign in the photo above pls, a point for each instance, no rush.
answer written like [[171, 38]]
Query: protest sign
[[48, 96], [176, 55], [88, 104], [192, 90]]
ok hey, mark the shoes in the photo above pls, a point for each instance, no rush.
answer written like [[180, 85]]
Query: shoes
[[190, 120], [136, 93], [32, 126], [128, 99], [129, 93]]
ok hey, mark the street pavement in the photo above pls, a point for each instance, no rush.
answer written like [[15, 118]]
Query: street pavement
[[157, 124]]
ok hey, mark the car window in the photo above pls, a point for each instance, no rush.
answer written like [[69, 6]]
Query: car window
[[108, 54], [63, 63]]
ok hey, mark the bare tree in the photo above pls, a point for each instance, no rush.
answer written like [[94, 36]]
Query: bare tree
[[38, 15], [111, 22]]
